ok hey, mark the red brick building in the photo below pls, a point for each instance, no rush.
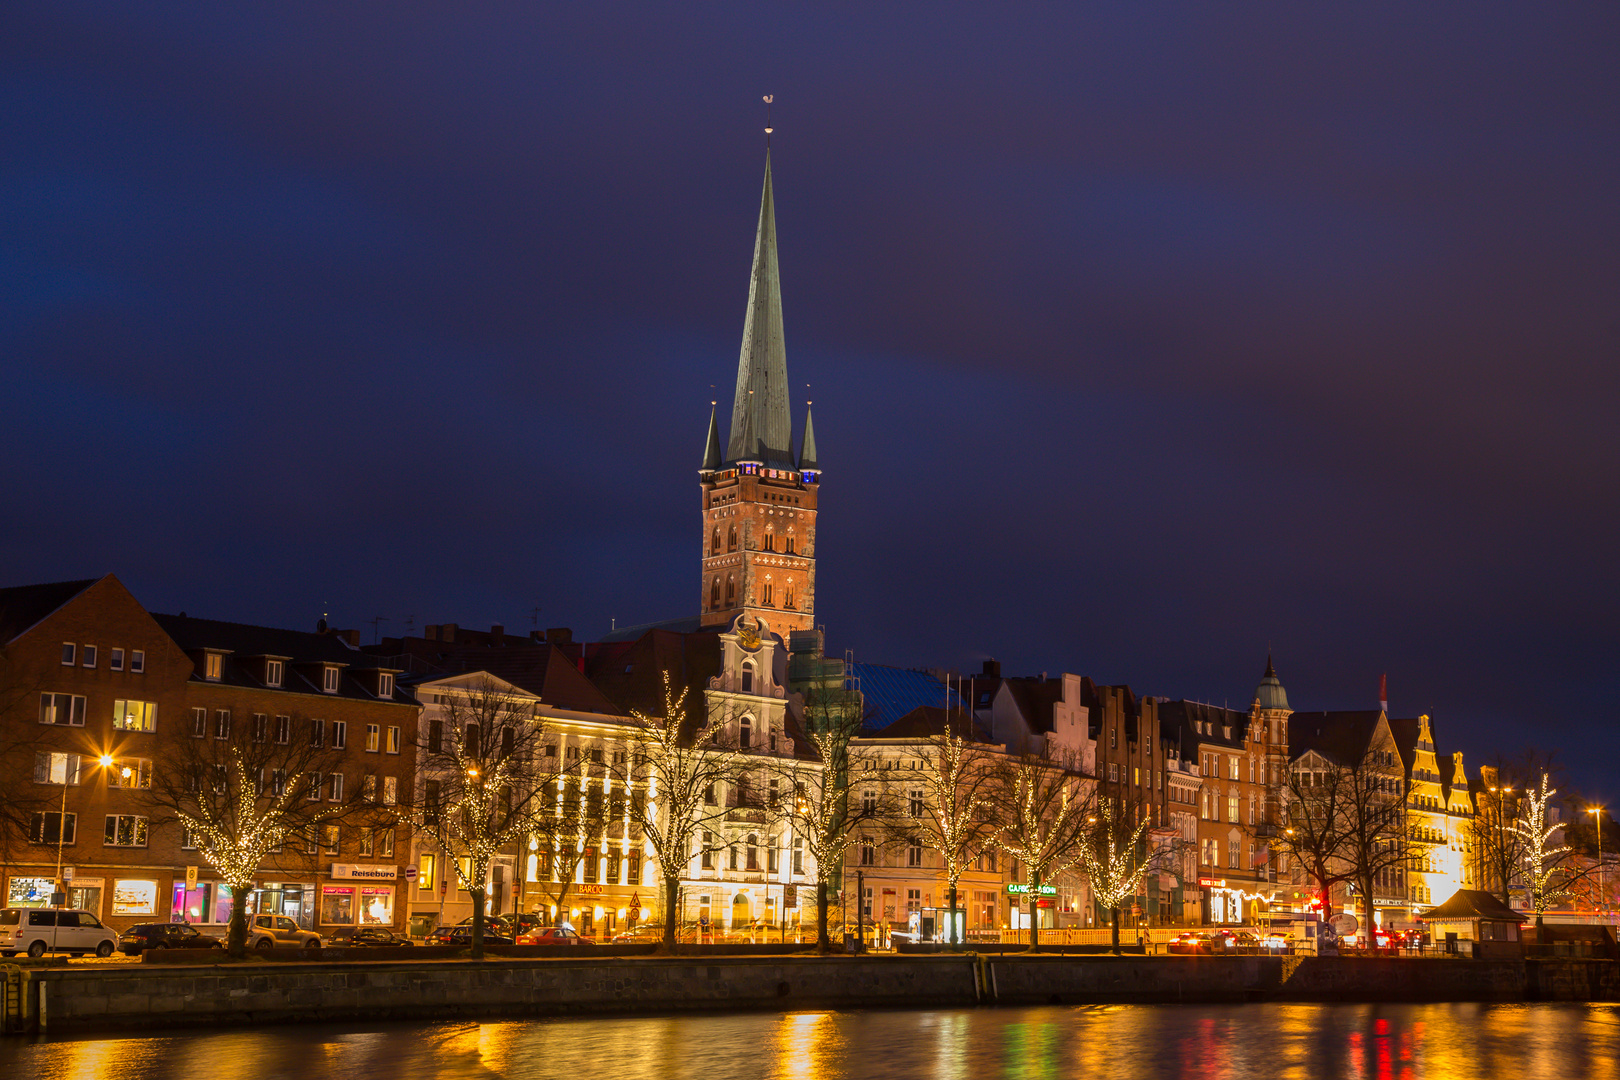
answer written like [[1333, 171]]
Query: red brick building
[[91, 686]]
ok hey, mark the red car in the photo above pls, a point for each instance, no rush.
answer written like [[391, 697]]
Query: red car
[[554, 935]]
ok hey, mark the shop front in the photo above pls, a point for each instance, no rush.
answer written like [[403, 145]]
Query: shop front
[[358, 894], [1018, 903]]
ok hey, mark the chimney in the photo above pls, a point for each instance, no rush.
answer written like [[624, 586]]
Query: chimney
[[447, 632], [992, 668], [559, 635], [351, 637], [430, 633], [497, 635]]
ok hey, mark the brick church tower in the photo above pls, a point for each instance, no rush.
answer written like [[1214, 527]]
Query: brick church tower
[[759, 500]]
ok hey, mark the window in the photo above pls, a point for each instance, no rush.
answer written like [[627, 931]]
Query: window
[[261, 727], [373, 738], [368, 788], [798, 855], [329, 679], [124, 830], [340, 734], [283, 729], [199, 723], [424, 879], [913, 854], [385, 843], [62, 709], [53, 828], [272, 673], [753, 852], [430, 800], [316, 779], [51, 768], [137, 660], [509, 746], [331, 837], [731, 543], [390, 790], [89, 656], [317, 733], [1113, 772], [130, 773], [213, 664], [714, 592], [1232, 808], [311, 846], [393, 740], [735, 858], [365, 841], [868, 852], [748, 678], [745, 733], [1232, 854], [915, 802], [469, 742], [731, 587], [69, 653], [435, 739], [115, 660], [278, 782], [188, 839], [222, 723], [715, 547], [385, 685], [706, 859], [765, 594], [1232, 768], [708, 794], [790, 545], [335, 788]]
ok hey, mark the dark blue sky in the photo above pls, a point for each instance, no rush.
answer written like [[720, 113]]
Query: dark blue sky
[[1141, 337]]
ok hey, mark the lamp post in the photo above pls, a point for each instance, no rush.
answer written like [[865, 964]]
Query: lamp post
[[104, 761], [1597, 821]]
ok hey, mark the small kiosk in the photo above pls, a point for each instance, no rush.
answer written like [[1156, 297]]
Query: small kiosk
[[1475, 923]]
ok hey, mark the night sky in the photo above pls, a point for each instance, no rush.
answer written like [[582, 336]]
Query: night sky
[[1141, 337]]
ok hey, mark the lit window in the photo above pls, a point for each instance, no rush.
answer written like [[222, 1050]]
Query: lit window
[[330, 837], [390, 790], [393, 740], [373, 738], [52, 768], [124, 830], [213, 664], [134, 716]]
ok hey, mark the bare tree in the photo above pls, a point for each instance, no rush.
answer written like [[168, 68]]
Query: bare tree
[[1115, 855], [481, 778], [1498, 847], [1375, 839], [679, 763], [241, 796], [1042, 817], [950, 812], [1313, 795]]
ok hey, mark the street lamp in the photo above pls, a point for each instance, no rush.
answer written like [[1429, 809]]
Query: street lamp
[[61, 818], [1597, 820]]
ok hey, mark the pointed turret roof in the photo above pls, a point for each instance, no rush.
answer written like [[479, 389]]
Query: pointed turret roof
[[1270, 693], [711, 449], [761, 429], [807, 452]]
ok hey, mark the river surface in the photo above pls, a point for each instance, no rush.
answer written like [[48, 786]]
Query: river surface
[[1142, 1042]]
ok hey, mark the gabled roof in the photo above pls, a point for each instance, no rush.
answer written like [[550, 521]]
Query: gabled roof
[[1472, 904], [244, 641], [1178, 722], [23, 607], [761, 429], [1343, 737]]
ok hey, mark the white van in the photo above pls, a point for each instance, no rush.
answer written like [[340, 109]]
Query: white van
[[37, 931]]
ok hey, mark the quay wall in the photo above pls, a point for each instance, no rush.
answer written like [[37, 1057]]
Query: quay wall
[[67, 999]]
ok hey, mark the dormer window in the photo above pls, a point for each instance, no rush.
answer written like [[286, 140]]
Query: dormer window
[[385, 685], [272, 672], [213, 666], [329, 679]]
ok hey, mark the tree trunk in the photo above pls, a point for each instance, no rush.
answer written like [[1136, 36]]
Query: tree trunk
[[952, 936], [1035, 919], [477, 951], [1369, 934], [672, 892], [822, 943], [236, 937], [1116, 930]]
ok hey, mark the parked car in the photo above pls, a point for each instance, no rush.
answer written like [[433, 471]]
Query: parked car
[[462, 934], [1195, 943], [520, 923], [554, 935], [37, 931], [181, 935], [368, 937], [1248, 942], [276, 931]]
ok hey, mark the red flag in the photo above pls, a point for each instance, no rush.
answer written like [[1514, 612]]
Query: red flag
[[1383, 692]]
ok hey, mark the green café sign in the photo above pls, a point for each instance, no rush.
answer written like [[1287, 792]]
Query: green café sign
[[1019, 888]]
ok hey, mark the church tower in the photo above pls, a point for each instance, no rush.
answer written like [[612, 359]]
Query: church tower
[[759, 499]]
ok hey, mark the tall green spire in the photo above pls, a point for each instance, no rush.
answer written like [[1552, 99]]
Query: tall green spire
[[711, 448], [761, 429], [807, 452]]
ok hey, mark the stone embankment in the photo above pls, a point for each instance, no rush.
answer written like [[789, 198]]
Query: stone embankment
[[71, 999]]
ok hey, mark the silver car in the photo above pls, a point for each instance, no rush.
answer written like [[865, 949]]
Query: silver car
[[37, 931]]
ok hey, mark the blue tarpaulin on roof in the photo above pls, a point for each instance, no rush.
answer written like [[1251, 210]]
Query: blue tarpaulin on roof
[[890, 692]]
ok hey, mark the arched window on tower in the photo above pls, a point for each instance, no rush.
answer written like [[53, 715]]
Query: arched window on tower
[[731, 590], [745, 730], [714, 589], [732, 539], [716, 550], [787, 593], [765, 595], [789, 548], [747, 685], [770, 539]]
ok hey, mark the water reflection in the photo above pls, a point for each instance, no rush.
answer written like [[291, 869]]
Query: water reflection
[[1290, 1042]]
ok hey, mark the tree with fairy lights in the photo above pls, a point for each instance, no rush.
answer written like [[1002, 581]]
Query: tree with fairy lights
[[1113, 854], [482, 781], [242, 797], [1551, 868], [1042, 818]]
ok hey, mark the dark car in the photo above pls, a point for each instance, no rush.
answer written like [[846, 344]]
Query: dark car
[[368, 937], [462, 934], [137, 939], [1194, 943], [554, 935]]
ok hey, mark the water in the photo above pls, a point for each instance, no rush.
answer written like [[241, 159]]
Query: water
[[1231, 1042]]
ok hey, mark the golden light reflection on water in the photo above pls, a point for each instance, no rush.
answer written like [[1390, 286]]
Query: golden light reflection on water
[[1288, 1042]]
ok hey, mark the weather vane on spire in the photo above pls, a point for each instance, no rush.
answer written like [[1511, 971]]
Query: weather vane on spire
[[768, 129]]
